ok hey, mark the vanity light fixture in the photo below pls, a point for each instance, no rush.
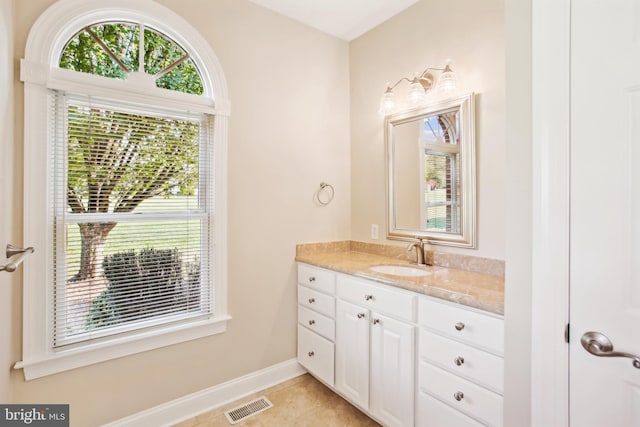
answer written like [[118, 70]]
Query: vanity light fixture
[[419, 84]]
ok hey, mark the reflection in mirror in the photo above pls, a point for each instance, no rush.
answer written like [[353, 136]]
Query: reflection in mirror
[[431, 173]]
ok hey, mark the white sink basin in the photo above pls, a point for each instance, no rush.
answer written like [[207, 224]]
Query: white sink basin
[[399, 270]]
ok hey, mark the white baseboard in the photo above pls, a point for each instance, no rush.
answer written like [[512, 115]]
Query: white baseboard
[[183, 408]]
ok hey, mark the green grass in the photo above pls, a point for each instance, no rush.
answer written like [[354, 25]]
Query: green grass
[[127, 235], [439, 223], [436, 215]]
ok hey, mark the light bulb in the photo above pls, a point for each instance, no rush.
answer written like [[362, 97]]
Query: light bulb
[[416, 94], [447, 84], [387, 103]]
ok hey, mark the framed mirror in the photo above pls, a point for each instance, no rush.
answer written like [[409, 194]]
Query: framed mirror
[[431, 173]]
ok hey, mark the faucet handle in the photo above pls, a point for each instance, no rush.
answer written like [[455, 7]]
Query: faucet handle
[[418, 244]]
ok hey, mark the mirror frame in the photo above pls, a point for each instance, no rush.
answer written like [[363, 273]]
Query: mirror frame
[[467, 236]]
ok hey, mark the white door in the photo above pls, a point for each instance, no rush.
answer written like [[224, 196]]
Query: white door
[[605, 211], [352, 352], [392, 370]]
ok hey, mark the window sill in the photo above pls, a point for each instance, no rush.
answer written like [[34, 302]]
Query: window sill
[[64, 360]]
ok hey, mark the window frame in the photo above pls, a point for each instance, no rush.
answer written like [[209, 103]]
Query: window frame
[[40, 73], [64, 218]]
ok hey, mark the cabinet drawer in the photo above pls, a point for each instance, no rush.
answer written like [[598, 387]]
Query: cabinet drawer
[[316, 322], [316, 354], [477, 365], [433, 413], [316, 301], [476, 401], [317, 278], [482, 330], [378, 297]]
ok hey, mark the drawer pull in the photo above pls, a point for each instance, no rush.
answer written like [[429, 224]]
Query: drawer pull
[[311, 354], [459, 360], [360, 315], [312, 279], [459, 326], [312, 300], [368, 297], [458, 395], [312, 322], [376, 321]]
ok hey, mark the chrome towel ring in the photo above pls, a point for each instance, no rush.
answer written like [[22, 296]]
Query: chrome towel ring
[[324, 194]]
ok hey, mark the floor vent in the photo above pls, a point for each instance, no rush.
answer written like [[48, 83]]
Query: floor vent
[[247, 410]]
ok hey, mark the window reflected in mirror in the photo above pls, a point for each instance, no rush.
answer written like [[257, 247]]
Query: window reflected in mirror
[[431, 173]]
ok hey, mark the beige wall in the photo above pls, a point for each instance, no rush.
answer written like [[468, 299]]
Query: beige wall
[[288, 131], [471, 34], [408, 183], [8, 283]]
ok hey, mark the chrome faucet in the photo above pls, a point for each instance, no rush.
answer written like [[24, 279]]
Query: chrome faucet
[[418, 245]]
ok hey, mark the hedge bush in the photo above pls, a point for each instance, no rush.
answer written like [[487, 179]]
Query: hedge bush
[[144, 284]]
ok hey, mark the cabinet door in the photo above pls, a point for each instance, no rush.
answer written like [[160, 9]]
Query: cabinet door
[[392, 370], [352, 352], [316, 354]]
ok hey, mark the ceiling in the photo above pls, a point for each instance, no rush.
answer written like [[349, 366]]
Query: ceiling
[[345, 19]]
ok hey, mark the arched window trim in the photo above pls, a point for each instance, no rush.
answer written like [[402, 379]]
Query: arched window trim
[[40, 73]]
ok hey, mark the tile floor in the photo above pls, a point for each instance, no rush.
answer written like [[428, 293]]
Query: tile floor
[[301, 402]]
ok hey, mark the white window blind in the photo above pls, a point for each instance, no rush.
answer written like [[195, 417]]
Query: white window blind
[[442, 205], [441, 209], [132, 208]]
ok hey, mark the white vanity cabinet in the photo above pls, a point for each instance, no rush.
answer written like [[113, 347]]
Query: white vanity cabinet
[[316, 324], [404, 358], [375, 347], [460, 366]]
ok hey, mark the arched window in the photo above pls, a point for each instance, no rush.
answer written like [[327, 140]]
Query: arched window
[[125, 152], [114, 49]]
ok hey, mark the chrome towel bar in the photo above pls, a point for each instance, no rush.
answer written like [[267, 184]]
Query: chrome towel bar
[[13, 251]]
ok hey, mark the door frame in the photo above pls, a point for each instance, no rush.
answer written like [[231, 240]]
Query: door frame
[[550, 102]]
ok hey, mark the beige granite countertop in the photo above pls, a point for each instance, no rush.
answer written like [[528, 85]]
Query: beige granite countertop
[[471, 288]]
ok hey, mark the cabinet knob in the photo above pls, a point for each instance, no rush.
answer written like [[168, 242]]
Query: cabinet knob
[[376, 321], [312, 322], [360, 315], [459, 326], [458, 395], [312, 300], [459, 360], [368, 297], [312, 279], [311, 354]]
